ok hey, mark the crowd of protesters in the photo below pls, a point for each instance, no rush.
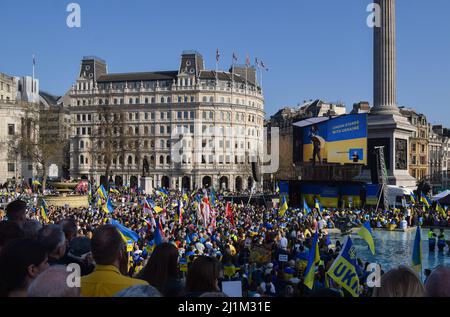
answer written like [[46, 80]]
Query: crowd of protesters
[[182, 251]]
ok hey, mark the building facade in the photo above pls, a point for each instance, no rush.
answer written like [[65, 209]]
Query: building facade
[[17, 103], [439, 157], [184, 129], [419, 144], [55, 125]]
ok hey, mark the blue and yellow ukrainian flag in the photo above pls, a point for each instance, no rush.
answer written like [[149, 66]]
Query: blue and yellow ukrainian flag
[[108, 207], [413, 198], [317, 205], [424, 199], [283, 207], [440, 209], [344, 269], [314, 258], [306, 209], [366, 233], [44, 211], [126, 233], [101, 191], [115, 191], [417, 251]]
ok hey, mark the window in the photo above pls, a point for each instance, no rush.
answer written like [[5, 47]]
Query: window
[[153, 116], [11, 167], [186, 115], [192, 114], [180, 115], [136, 115], [11, 129], [161, 129], [136, 130], [146, 116], [162, 115], [161, 160]]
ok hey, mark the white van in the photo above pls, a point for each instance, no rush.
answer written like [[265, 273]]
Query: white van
[[397, 194]]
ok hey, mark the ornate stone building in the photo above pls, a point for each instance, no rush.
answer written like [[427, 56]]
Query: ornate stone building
[[18, 96], [438, 157], [419, 144], [184, 129]]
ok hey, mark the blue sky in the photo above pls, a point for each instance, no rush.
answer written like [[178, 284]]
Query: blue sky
[[314, 49]]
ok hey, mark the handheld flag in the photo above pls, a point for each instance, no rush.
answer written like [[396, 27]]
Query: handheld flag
[[424, 199], [44, 212], [284, 207], [159, 234], [440, 209], [344, 269], [126, 233], [314, 258], [229, 213], [306, 209], [317, 205], [366, 233], [108, 207], [417, 251], [277, 189], [101, 191]]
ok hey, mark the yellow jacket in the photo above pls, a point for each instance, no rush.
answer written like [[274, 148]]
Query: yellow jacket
[[106, 281]]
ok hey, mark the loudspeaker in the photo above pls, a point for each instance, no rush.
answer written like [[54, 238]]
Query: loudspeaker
[[256, 172]]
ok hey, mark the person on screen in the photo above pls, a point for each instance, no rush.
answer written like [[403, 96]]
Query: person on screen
[[355, 157], [316, 145]]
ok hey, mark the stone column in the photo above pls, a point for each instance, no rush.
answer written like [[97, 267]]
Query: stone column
[[385, 72]]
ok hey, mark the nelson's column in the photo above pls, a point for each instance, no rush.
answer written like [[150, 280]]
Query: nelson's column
[[387, 127]]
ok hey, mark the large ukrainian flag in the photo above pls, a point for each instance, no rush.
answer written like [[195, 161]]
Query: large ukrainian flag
[[314, 259], [366, 233], [343, 270]]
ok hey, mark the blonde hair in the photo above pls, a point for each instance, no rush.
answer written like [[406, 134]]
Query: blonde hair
[[400, 282]]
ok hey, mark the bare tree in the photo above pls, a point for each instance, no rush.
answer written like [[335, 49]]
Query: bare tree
[[36, 143], [108, 139]]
